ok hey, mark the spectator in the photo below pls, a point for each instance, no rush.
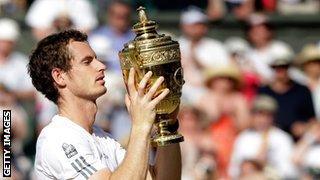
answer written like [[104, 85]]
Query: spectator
[[264, 142], [206, 167], [264, 47], [291, 97], [198, 51], [298, 6], [309, 61], [269, 6], [307, 153], [13, 72], [240, 8], [251, 169], [238, 48], [114, 35], [191, 123], [227, 110], [47, 16], [13, 8]]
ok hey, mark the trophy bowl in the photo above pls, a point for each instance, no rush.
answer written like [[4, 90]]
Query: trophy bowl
[[150, 51]]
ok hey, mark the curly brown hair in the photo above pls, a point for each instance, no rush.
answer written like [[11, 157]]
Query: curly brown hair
[[52, 52]]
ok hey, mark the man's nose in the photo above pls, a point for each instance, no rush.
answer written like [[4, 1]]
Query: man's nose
[[101, 66]]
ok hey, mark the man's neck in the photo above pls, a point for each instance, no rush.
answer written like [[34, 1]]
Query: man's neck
[[281, 87], [80, 111]]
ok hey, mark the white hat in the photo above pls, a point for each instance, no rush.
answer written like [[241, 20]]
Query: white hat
[[193, 15], [9, 29], [237, 45], [282, 55], [257, 19]]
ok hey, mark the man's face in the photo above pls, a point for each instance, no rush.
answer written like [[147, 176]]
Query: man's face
[[259, 35], [312, 68], [6, 47], [119, 17], [262, 120], [195, 31], [85, 78], [281, 73], [222, 84]]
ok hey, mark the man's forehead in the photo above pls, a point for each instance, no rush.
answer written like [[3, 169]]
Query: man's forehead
[[78, 44], [79, 48]]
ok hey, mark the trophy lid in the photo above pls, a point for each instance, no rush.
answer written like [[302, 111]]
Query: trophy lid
[[145, 28]]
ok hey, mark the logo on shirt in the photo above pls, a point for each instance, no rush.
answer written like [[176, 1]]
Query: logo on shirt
[[69, 150]]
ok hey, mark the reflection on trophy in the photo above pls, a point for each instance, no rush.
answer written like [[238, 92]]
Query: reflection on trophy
[[150, 51]]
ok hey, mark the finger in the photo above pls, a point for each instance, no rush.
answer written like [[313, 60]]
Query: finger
[[161, 96], [131, 87], [143, 83], [128, 102], [154, 88]]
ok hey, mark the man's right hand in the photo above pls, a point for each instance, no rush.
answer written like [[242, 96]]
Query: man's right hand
[[141, 105]]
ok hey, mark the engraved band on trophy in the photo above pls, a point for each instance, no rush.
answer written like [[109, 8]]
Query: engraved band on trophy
[[150, 51]]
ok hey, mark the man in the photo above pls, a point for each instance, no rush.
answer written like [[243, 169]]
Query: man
[[65, 69], [264, 46], [241, 9], [309, 61], [198, 52], [269, 145], [14, 82], [294, 100], [227, 110]]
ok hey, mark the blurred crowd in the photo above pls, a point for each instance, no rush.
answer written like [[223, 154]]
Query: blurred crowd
[[250, 107]]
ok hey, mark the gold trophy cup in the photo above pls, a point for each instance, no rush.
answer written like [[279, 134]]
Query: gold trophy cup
[[150, 51]]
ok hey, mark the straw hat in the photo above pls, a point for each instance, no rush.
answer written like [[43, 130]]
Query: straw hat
[[308, 53], [265, 103], [228, 71]]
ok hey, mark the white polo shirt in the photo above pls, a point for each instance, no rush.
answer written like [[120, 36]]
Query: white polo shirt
[[66, 151]]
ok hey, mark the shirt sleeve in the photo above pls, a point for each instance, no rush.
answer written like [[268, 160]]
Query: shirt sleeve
[[68, 158], [306, 107], [118, 150]]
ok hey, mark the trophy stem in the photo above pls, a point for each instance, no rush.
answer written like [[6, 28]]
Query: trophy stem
[[164, 137]]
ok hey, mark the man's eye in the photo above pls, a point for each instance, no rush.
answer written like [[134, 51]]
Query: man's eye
[[87, 62]]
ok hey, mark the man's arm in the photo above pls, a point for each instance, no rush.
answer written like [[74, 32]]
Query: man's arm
[[168, 162], [141, 107]]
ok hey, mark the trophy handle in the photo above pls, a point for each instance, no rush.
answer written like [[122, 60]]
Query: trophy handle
[[134, 56]]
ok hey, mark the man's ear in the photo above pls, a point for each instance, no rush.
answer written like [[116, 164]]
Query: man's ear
[[59, 77]]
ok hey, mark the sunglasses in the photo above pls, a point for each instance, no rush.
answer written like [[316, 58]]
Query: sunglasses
[[280, 67]]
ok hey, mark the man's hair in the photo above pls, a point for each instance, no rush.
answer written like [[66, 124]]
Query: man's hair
[[52, 52]]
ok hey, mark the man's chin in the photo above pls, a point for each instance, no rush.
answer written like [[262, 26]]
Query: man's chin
[[100, 93], [103, 91]]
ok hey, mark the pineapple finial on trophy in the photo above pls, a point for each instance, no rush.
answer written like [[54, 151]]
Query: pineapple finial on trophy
[[144, 28], [142, 14]]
